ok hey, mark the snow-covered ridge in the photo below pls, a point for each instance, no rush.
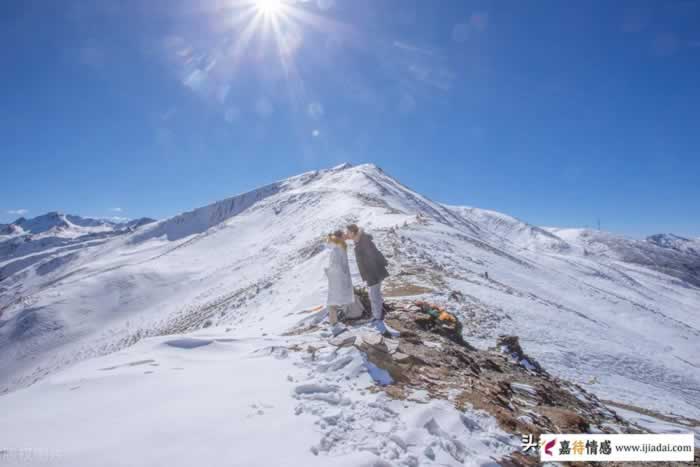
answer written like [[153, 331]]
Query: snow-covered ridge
[[502, 228], [670, 254], [675, 242], [65, 225], [200, 299], [202, 219]]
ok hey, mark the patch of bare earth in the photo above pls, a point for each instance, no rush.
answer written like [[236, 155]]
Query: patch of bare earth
[[431, 355]]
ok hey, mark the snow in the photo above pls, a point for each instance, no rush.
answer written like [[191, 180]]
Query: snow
[[57, 224], [205, 410], [675, 242], [221, 403], [174, 339], [656, 425], [502, 229]]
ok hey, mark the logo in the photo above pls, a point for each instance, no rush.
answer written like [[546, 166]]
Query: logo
[[617, 447], [548, 447]]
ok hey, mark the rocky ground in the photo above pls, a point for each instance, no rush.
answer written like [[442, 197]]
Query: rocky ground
[[431, 355]]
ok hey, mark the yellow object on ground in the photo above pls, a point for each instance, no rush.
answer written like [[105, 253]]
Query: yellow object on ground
[[445, 316]]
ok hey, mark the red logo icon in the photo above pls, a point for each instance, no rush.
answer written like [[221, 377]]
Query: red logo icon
[[548, 447]]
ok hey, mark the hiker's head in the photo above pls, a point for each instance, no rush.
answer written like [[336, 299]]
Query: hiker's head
[[337, 237], [352, 231]]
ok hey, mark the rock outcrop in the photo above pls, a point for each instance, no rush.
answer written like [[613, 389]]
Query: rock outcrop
[[504, 381]]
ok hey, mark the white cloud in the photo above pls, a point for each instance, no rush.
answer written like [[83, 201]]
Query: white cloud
[[195, 79], [116, 209], [18, 212]]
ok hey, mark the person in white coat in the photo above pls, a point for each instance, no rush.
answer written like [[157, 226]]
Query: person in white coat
[[340, 291]]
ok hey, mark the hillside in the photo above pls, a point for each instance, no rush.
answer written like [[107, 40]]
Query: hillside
[[185, 329]]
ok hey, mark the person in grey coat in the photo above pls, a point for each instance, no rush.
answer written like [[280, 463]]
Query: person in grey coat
[[372, 266]]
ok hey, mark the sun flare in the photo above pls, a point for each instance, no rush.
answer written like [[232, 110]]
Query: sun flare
[[269, 7]]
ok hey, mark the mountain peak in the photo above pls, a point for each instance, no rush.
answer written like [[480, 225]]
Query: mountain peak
[[675, 242], [370, 166]]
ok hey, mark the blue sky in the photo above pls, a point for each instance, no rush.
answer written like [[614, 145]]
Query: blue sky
[[557, 112]]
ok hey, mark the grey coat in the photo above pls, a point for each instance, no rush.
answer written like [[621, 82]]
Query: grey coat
[[371, 263]]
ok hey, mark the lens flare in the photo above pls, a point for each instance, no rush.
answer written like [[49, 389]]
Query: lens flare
[[269, 7]]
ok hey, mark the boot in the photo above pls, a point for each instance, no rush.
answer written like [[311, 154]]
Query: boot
[[383, 329]]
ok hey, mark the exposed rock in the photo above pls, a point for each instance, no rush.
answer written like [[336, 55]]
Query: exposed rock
[[343, 340], [432, 358], [456, 296], [524, 398], [511, 345]]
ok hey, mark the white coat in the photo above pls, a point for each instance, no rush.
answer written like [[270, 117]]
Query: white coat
[[340, 290]]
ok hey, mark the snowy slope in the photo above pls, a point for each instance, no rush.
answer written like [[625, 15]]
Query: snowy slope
[[110, 294], [502, 229], [46, 242], [675, 242], [670, 254], [238, 275]]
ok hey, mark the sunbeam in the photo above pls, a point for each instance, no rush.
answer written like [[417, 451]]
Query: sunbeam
[[270, 8]]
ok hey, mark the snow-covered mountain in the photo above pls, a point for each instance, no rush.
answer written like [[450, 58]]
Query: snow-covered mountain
[[673, 255], [43, 240], [674, 242], [187, 328], [66, 225]]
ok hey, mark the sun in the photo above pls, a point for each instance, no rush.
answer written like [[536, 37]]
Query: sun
[[269, 8]]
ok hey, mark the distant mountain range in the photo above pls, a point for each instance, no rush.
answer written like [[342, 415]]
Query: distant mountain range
[[66, 225]]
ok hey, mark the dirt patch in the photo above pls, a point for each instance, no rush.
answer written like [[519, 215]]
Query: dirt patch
[[405, 290], [503, 381]]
